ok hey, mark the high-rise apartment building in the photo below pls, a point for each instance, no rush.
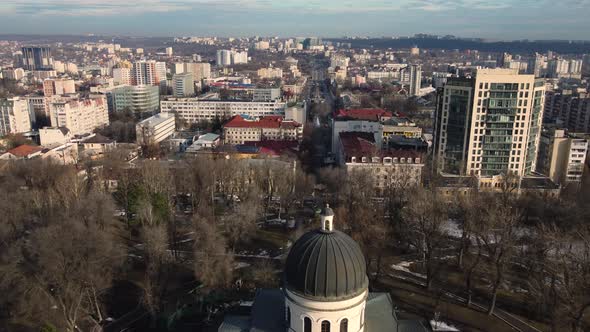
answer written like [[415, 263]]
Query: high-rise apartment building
[[239, 57], [570, 110], [200, 70], [57, 87], [562, 156], [223, 58], [37, 58], [559, 67], [183, 85], [489, 124], [415, 79], [231, 57], [122, 76], [80, 115], [14, 116], [148, 73]]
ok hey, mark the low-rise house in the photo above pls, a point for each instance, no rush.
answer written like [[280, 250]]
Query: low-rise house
[[97, 144], [206, 141], [24, 151], [54, 135]]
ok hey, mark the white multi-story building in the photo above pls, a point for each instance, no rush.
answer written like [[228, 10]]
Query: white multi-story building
[[270, 73], [200, 70], [195, 110], [266, 94], [13, 74], [338, 60], [14, 116], [183, 85], [557, 67], [262, 45], [155, 129], [223, 58], [80, 115], [415, 79], [575, 66], [239, 57], [239, 130], [490, 124]]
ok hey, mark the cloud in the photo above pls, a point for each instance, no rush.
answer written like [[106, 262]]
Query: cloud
[[135, 7], [449, 5]]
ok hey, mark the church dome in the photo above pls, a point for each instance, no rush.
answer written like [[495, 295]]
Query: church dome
[[326, 265]]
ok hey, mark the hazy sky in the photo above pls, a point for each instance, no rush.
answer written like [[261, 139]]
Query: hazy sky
[[499, 19]]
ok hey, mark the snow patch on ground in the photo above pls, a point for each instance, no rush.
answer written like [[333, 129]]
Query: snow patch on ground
[[240, 265], [404, 267], [442, 326]]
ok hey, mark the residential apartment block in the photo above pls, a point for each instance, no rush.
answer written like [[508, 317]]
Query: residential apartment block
[[489, 124], [570, 110], [183, 85], [562, 156], [194, 110], [80, 115], [15, 116]]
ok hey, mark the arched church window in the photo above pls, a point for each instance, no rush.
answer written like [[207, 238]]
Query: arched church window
[[344, 325], [325, 326], [307, 324]]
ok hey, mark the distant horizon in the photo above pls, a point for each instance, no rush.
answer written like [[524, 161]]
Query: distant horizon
[[358, 37], [507, 20]]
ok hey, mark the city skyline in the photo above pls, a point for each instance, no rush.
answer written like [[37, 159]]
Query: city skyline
[[503, 19]]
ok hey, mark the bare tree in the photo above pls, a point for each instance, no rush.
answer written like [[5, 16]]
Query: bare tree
[[68, 266], [498, 236], [158, 261], [213, 263], [425, 216]]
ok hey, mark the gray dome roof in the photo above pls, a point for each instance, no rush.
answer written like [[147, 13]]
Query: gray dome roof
[[326, 266]]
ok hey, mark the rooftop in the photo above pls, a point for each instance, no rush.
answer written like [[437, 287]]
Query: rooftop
[[362, 144], [156, 119], [271, 121], [368, 114], [24, 150], [98, 139]]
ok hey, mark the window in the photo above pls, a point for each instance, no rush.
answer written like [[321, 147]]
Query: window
[[307, 324], [325, 326], [288, 317], [344, 325]]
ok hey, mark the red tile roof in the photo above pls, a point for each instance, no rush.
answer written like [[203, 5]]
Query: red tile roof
[[362, 144], [369, 114], [275, 148], [24, 150], [271, 121]]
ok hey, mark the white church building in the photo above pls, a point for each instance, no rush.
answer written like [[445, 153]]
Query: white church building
[[325, 289]]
